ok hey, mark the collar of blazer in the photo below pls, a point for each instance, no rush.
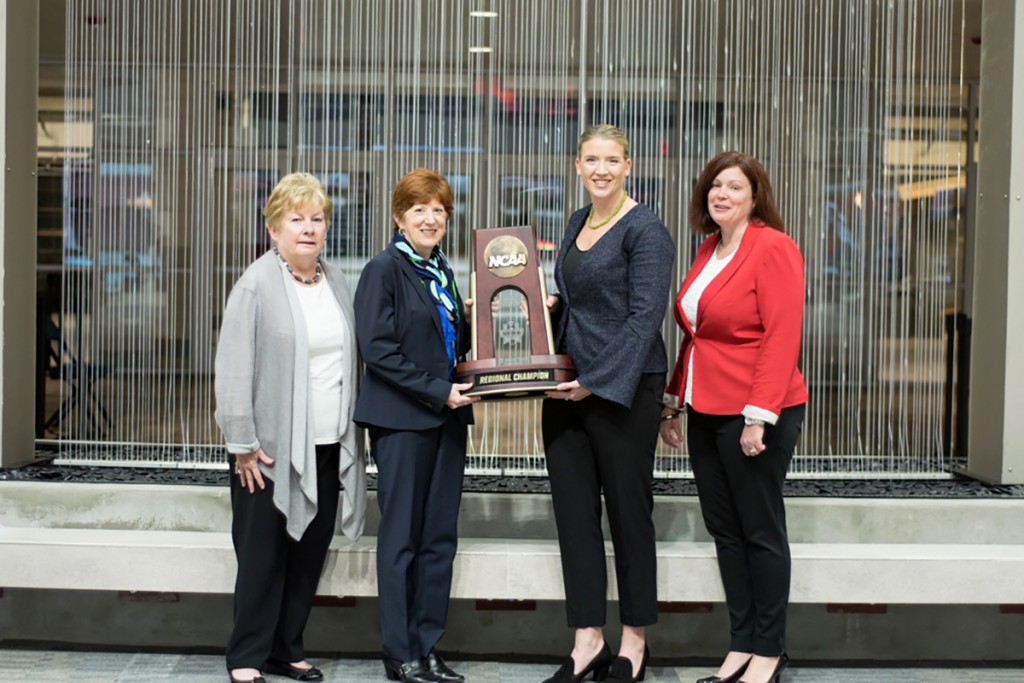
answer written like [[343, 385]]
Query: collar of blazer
[[416, 284], [704, 254], [572, 230]]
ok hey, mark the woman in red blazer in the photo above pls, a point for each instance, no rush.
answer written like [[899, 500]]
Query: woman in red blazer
[[741, 308]]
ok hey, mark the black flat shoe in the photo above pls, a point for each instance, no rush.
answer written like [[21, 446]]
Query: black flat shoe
[[293, 672], [734, 677], [258, 679], [597, 666], [621, 670], [415, 671], [779, 668], [440, 669]]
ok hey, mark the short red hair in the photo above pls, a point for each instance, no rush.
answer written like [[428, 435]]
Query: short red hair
[[420, 186]]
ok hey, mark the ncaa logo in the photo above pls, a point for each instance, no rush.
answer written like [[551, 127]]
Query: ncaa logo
[[505, 256]]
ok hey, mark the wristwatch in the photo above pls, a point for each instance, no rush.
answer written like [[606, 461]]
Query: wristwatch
[[753, 422]]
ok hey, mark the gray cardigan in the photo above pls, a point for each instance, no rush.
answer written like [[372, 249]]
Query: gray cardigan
[[610, 315], [262, 389]]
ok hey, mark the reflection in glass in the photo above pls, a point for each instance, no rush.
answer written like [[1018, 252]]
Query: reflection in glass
[[511, 318], [859, 122]]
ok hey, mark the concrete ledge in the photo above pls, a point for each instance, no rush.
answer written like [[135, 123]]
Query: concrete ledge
[[203, 562]]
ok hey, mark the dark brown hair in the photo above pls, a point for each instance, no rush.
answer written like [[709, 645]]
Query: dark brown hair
[[420, 186], [764, 211]]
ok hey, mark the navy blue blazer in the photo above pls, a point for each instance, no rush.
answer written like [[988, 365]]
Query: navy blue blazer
[[405, 383], [610, 317]]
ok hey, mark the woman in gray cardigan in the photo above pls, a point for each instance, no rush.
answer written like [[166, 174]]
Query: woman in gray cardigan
[[285, 385]]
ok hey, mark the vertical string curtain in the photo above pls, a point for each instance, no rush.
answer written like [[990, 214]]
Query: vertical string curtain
[[856, 108]]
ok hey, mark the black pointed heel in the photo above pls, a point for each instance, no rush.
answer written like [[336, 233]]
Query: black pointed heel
[[621, 670], [734, 677], [598, 666], [779, 668]]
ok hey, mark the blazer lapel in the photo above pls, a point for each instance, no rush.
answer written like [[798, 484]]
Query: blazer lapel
[[704, 252], [416, 284], [715, 286]]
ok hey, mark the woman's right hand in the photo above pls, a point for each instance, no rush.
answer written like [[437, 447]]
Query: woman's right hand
[[671, 431], [457, 397], [248, 471]]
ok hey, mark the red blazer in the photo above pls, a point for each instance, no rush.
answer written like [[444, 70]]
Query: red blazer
[[748, 328]]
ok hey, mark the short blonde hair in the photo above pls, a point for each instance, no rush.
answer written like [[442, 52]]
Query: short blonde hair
[[605, 131], [294, 191]]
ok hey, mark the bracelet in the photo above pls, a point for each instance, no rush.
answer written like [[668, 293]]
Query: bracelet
[[753, 422], [671, 416]]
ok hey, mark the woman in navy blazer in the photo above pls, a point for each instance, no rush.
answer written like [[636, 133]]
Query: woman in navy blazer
[[741, 309], [411, 327], [613, 275]]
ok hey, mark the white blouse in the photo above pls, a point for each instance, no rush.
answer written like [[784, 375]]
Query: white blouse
[[326, 330], [690, 301]]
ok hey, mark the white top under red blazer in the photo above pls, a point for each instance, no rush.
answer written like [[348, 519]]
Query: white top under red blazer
[[747, 339]]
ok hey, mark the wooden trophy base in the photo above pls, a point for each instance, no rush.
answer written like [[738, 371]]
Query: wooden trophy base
[[507, 382]]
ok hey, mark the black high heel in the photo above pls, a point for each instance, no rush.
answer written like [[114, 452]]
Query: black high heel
[[779, 668], [597, 666], [734, 677], [621, 670]]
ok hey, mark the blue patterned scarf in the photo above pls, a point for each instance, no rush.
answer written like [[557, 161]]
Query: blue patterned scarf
[[439, 280]]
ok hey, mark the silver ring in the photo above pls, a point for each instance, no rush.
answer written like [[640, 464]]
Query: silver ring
[[752, 451]]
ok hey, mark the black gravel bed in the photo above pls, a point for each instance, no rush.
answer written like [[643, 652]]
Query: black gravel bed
[[956, 486]]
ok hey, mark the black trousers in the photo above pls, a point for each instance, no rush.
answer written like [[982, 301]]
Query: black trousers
[[594, 445], [741, 501], [277, 575], [419, 491]]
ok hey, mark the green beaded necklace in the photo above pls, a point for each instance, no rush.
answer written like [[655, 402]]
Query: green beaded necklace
[[618, 207]]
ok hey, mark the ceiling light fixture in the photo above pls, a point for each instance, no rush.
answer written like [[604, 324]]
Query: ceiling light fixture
[[484, 14], [480, 49]]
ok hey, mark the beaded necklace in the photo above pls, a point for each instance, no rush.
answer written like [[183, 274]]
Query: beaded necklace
[[299, 279], [618, 207]]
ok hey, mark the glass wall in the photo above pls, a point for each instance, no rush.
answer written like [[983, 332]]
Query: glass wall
[[181, 116]]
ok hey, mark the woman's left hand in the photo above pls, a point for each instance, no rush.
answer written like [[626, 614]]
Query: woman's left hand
[[671, 430], [752, 440], [568, 391], [457, 397]]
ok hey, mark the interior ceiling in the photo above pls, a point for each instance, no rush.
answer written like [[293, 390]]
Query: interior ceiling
[[53, 15]]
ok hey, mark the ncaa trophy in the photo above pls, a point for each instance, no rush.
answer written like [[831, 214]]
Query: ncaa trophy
[[513, 354]]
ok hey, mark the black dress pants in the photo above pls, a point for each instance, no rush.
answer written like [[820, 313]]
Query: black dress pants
[[741, 501], [419, 491], [590, 446], [277, 575]]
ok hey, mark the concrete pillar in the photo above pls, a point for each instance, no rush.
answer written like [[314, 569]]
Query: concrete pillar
[[996, 439], [19, 72]]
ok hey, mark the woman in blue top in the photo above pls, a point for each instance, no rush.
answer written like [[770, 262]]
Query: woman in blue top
[[411, 326]]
